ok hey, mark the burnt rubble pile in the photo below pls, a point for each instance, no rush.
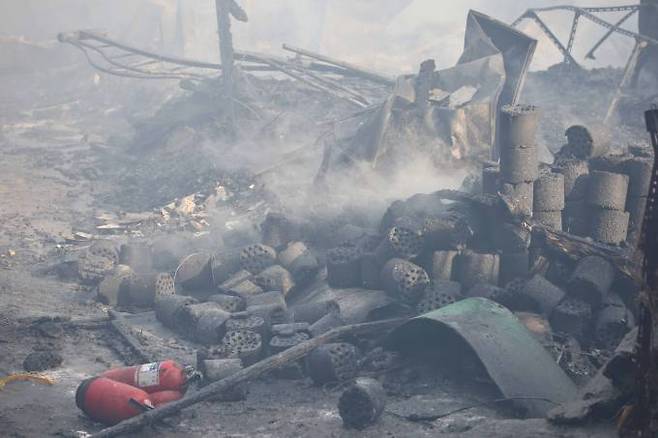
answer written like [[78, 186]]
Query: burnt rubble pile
[[306, 276]]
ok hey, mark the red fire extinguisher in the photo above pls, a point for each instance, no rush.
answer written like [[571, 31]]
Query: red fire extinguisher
[[110, 402], [152, 377]]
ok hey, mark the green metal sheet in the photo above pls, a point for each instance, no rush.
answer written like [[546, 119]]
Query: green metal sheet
[[512, 357]]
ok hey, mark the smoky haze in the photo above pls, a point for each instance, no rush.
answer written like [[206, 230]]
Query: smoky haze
[[389, 35]]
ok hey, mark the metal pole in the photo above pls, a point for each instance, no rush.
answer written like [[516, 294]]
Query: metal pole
[[223, 8], [631, 67], [572, 34], [608, 34], [647, 360], [554, 39]]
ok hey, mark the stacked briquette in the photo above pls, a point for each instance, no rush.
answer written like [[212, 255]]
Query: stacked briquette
[[575, 218], [549, 200], [607, 204], [639, 169], [519, 169]]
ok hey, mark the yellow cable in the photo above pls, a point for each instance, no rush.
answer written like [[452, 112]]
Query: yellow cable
[[26, 377]]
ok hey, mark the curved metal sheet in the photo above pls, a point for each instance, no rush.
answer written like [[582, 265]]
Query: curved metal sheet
[[514, 360]]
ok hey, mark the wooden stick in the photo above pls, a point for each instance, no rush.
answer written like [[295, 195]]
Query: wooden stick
[[575, 248], [292, 354]]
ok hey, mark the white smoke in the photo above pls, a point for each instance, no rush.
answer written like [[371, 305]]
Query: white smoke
[[392, 36]]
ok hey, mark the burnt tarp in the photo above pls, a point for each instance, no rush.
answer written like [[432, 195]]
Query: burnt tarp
[[520, 367], [460, 120]]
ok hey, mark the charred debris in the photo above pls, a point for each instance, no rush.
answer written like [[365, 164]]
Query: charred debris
[[525, 279]]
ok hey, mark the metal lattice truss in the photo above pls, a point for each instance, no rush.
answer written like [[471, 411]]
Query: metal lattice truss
[[316, 71], [591, 15]]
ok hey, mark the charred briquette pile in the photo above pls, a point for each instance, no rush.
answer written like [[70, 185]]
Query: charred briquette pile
[[638, 168], [332, 363], [300, 261], [144, 289], [404, 279], [605, 195], [443, 263], [256, 258], [474, 268], [490, 178], [439, 293], [519, 171], [195, 272], [548, 200], [404, 240], [113, 289], [428, 252], [275, 278], [519, 166], [124, 277], [230, 303], [247, 321], [607, 202], [204, 322], [169, 311], [344, 267], [362, 403], [286, 336], [575, 219], [245, 345]]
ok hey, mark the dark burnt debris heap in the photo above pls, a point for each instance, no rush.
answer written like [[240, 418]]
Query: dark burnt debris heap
[[526, 279], [531, 273]]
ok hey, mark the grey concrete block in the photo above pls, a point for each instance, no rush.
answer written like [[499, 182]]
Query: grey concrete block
[[609, 226], [608, 190], [549, 192], [518, 125], [545, 295], [519, 164], [591, 280]]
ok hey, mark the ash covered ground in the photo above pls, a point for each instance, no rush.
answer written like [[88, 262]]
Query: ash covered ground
[[101, 158]]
